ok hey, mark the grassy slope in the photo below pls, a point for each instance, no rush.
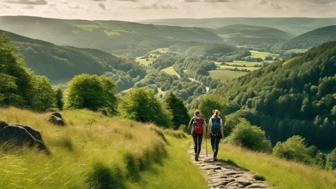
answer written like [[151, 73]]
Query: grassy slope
[[280, 173], [91, 139]]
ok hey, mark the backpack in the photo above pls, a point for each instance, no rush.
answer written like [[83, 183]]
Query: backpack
[[216, 126], [198, 125]]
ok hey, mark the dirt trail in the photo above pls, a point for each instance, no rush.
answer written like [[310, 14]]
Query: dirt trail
[[224, 175]]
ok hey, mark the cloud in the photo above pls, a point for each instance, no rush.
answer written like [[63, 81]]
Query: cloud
[[102, 6], [207, 1], [158, 5], [28, 2]]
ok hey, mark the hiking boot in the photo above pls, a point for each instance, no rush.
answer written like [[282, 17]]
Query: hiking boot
[[196, 157], [215, 158]]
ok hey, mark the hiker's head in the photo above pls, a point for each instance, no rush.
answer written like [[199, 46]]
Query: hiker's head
[[216, 113], [197, 113]]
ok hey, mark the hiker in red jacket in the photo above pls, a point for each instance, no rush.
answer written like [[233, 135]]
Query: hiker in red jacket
[[197, 127]]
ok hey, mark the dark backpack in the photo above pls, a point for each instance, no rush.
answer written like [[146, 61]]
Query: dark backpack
[[198, 125], [216, 126]]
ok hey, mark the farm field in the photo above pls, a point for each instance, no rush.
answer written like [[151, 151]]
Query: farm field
[[171, 71], [262, 55], [225, 75], [151, 56]]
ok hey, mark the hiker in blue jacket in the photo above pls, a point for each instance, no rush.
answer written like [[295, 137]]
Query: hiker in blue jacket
[[216, 131]]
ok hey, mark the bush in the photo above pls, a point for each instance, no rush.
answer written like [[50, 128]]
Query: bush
[[331, 160], [208, 104], [103, 177], [250, 136], [44, 96], [59, 98], [141, 105], [92, 92], [178, 110], [293, 148]]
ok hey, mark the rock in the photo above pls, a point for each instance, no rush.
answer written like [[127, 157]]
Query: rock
[[20, 136], [57, 119]]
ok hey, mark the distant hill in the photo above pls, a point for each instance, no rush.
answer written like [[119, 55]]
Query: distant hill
[[61, 63], [252, 36], [293, 97], [207, 50], [312, 38], [293, 25], [117, 37]]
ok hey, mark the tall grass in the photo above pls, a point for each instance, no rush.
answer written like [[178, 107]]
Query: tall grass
[[89, 142], [97, 152], [175, 172], [280, 173]]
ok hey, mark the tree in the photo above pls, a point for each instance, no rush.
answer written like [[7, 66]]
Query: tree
[[92, 92], [208, 104], [250, 136], [44, 96], [178, 110], [331, 160], [293, 148], [15, 81], [141, 105], [59, 98]]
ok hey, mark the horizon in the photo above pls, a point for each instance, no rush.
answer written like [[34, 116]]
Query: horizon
[[140, 10], [177, 18]]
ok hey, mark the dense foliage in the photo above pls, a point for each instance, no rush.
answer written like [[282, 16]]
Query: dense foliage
[[293, 148], [250, 136], [92, 92], [19, 87], [141, 105], [178, 110], [331, 160], [294, 97]]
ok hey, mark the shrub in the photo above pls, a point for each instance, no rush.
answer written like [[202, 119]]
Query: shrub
[[59, 98], [103, 177], [208, 104], [178, 110], [44, 96], [293, 148], [141, 105], [331, 160], [250, 136], [92, 92]]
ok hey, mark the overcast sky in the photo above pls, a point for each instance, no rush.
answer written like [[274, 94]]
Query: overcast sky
[[155, 9]]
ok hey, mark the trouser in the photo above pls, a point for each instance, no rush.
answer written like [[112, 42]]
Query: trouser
[[197, 143], [215, 140]]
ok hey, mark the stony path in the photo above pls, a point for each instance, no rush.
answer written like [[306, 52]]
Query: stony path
[[223, 175]]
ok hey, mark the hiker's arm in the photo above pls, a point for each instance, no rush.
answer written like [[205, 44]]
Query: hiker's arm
[[209, 126], [190, 123], [222, 127]]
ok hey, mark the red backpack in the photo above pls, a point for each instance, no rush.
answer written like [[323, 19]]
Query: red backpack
[[198, 125]]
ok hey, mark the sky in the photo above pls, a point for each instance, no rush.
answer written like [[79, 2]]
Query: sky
[[135, 10]]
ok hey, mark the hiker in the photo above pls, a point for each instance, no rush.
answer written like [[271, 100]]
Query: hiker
[[216, 131], [197, 126]]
